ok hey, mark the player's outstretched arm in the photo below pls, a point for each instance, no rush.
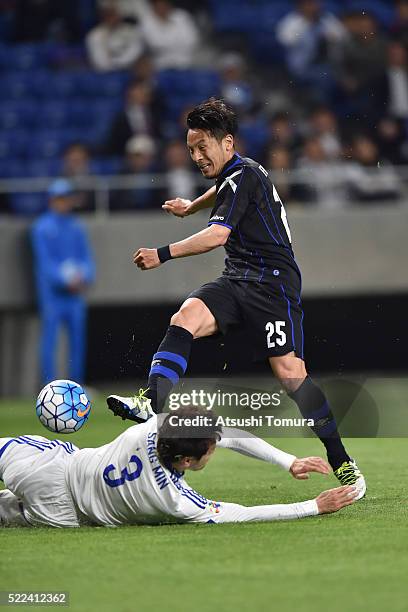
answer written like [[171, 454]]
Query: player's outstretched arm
[[208, 239], [224, 512], [325, 503], [180, 207], [247, 444]]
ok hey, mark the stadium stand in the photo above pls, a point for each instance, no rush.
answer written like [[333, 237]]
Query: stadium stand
[[50, 97]]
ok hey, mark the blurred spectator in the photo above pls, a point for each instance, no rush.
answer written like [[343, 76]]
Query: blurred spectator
[[37, 20], [141, 115], [363, 53], [113, 44], [392, 140], [324, 126], [76, 160], [133, 8], [76, 166], [240, 145], [179, 175], [279, 161], [282, 132], [235, 88], [143, 70], [323, 179], [171, 35], [310, 38], [399, 29], [369, 179], [391, 90], [64, 268], [140, 159], [4, 204]]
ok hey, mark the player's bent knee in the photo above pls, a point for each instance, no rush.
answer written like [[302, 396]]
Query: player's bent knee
[[187, 317], [195, 317]]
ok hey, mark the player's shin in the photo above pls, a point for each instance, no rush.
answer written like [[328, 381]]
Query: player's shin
[[168, 365], [313, 404]]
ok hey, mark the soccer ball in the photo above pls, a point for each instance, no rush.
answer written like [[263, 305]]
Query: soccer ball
[[62, 406]]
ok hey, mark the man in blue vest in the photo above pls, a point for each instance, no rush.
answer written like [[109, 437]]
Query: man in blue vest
[[64, 268]]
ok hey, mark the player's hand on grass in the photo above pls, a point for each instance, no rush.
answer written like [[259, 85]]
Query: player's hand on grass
[[300, 468], [335, 499], [146, 259], [178, 207]]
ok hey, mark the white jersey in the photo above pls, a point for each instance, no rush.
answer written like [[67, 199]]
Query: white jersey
[[124, 482]]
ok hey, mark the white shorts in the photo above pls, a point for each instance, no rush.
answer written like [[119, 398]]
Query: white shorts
[[33, 468]]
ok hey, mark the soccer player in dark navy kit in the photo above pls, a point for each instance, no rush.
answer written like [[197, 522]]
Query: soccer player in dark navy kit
[[259, 288]]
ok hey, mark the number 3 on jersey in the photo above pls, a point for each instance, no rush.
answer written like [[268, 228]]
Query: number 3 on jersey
[[275, 334], [124, 475]]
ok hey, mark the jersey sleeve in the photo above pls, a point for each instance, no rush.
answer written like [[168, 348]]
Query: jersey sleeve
[[249, 445], [192, 507], [233, 197], [225, 512]]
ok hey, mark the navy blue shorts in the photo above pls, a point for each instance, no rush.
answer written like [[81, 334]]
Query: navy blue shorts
[[271, 312]]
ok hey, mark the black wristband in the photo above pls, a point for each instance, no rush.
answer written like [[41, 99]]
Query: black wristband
[[164, 253]]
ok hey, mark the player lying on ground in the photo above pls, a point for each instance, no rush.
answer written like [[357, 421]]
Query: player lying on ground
[[259, 289], [139, 478]]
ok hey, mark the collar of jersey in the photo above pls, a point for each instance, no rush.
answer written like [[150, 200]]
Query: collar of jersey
[[234, 161], [177, 474]]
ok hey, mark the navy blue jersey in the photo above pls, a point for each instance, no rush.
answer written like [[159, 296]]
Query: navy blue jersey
[[259, 246]]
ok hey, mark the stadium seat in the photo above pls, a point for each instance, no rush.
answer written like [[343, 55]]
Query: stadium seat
[[28, 203], [43, 167], [23, 84], [54, 114], [13, 143], [28, 56], [181, 88], [189, 83], [96, 84], [106, 165], [15, 85], [50, 143], [12, 168], [254, 133], [17, 114], [265, 49], [62, 85]]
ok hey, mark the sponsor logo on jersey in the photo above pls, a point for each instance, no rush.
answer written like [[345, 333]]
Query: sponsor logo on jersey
[[214, 507], [262, 169], [217, 218]]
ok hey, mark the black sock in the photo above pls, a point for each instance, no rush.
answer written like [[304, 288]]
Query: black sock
[[168, 365], [313, 404]]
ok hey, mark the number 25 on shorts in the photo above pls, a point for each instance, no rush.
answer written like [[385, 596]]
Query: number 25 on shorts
[[275, 334]]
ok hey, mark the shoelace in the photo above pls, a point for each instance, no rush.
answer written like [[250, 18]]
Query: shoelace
[[346, 473], [139, 397]]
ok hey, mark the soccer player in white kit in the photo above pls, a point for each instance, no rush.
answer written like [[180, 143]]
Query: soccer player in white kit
[[139, 477]]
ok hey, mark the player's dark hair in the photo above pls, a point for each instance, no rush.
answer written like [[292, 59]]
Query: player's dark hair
[[178, 439], [214, 117]]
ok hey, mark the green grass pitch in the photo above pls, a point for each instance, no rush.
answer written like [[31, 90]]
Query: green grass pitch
[[353, 560]]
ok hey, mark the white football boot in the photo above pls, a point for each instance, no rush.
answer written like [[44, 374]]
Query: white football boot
[[137, 408], [349, 474]]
